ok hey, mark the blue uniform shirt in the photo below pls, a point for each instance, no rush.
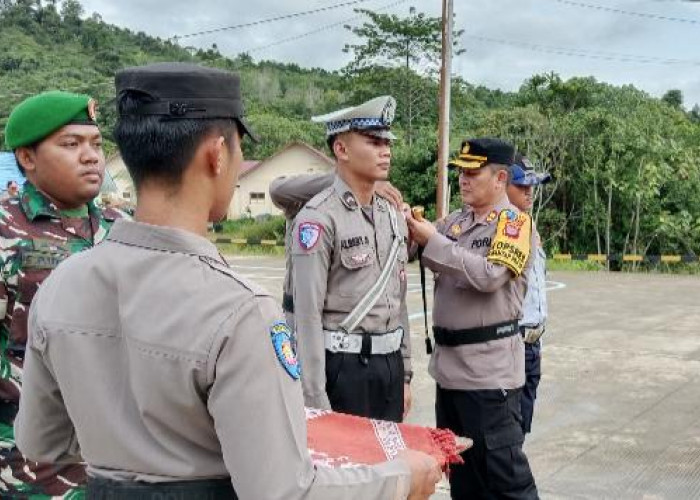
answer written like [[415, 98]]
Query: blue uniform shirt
[[535, 303]]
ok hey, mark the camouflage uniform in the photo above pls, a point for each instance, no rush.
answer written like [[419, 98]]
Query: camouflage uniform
[[34, 238]]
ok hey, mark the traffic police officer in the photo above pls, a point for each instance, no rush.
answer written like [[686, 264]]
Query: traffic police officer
[[349, 251], [522, 179], [480, 255], [167, 372], [290, 194], [58, 147]]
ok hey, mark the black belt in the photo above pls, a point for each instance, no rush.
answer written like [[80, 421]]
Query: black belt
[[288, 303], [447, 337], [206, 489]]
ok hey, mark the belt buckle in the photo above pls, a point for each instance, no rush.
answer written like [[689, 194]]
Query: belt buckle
[[341, 340]]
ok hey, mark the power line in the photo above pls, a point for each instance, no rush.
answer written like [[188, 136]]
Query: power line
[[318, 30], [270, 20], [644, 15], [573, 52]]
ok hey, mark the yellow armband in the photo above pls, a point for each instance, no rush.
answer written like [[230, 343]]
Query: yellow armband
[[511, 245]]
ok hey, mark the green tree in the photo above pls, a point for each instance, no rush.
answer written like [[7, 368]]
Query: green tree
[[673, 98], [398, 56]]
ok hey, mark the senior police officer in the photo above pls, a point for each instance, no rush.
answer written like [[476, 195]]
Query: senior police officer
[[522, 179], [168, 373], [58, 148], [349, 251], [480, 255]]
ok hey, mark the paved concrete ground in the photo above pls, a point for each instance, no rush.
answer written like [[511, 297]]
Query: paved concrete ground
[[619, 409]]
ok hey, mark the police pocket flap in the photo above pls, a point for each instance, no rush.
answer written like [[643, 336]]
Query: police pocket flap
[[504, 438], [357, 259]]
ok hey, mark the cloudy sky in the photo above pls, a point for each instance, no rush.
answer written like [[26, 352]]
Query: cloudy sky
[[652, 44]]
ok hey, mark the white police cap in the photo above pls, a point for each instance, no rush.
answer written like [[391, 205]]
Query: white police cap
[[373, 117]]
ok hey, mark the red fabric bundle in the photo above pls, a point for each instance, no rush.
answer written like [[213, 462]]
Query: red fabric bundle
[[340, 440]]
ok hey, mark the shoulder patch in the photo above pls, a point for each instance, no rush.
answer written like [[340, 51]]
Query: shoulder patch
[[309, 234], [511, 244], [284, 344]]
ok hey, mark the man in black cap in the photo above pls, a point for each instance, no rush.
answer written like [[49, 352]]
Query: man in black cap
[[480, 255], [168, 373]]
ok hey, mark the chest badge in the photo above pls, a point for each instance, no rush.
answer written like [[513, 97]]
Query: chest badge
[[455, 230], [360, 258]]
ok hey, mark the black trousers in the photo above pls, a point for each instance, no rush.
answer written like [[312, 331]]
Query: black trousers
[[207, 489], [373, 389], [496, 466], [532, 380]]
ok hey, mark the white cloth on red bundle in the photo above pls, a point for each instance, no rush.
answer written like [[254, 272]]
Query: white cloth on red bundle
[[340, 440]]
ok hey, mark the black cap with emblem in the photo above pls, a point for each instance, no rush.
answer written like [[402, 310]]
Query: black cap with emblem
[[475, 153], [181, 91]]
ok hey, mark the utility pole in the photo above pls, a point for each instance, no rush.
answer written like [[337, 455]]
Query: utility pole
[[444, 113]]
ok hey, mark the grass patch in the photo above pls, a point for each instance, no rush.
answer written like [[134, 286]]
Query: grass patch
[[574, 265], [233, 249]]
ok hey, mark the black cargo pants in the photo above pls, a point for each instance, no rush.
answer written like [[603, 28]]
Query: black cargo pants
[[496, 467]]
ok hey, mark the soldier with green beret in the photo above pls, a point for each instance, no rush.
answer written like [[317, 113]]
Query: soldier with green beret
[[58, 147]]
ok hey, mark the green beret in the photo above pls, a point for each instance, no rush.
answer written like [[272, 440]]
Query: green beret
[[41, 115]]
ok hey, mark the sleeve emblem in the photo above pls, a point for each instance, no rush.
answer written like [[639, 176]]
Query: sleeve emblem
[[283, 342], [511, 245], [309, 234]]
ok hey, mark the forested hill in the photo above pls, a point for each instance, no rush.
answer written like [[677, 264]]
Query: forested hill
[[627, 166]]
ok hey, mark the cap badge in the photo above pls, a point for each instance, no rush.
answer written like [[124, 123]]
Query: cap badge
[[92, 109], [388, 112]]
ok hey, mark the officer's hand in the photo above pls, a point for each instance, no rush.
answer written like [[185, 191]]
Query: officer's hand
[[407, 399], [390, 193], [406, 210], [421, 231], [425, 473]]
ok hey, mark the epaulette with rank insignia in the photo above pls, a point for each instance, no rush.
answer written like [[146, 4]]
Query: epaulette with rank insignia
[[223, 268], [317, 200]]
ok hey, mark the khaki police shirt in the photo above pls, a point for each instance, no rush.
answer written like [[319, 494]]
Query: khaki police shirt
[[333, 275], [471, 292], [152, 360], [289, 194]]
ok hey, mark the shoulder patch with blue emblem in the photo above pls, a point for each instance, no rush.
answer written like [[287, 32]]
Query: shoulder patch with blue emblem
[[285, 348], [309, 234]]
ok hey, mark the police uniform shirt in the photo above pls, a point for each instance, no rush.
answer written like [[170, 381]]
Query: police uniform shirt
[[535, 303], [289, 194], [159, 365], [338, 253], [472, 292]]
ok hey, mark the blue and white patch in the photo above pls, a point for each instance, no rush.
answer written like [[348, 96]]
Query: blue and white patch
[[285, 348], [309, 234]]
